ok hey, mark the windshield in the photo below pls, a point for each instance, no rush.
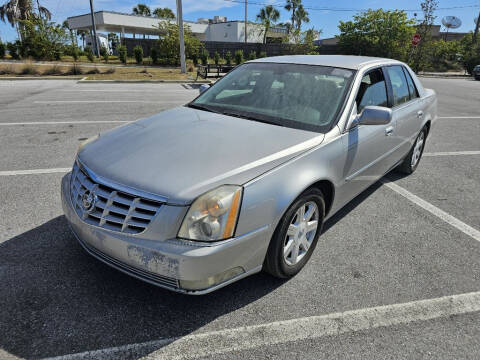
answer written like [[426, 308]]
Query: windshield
[[299, 96]]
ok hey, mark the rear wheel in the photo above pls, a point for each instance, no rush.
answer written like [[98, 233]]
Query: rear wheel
[[296, 236], [410, 163]]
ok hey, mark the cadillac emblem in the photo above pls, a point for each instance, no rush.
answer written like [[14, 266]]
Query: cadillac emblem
[[88, 200]]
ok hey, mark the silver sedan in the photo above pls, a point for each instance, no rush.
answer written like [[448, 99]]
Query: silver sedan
[[242, 178]]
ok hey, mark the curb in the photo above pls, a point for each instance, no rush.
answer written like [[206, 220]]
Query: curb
[[446, 76], [85, 81], [40, 78]]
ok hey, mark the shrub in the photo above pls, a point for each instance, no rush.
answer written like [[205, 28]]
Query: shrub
[[228, 58], [154, 55], [3, 50], [7, 70], [216, 58], [13, 50], [74, 70], [195, 58], [104, 53], [75, 53], [262, 54], [89, 53], [204, 56], [122, 54], [54, 70], [29, 69], [252, 55], [94, 71], [239, 57], [138, 54]]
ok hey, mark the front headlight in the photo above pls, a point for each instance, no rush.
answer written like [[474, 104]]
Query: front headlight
[[213, 215], [86, 142]]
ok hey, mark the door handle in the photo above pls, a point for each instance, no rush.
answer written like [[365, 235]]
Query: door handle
[[389, 131], [419, 113]]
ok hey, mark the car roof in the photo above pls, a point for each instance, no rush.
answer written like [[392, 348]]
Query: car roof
[[342, 61]]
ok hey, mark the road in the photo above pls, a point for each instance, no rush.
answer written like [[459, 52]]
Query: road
[[387, 279]]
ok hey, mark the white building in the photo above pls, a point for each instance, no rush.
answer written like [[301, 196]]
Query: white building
[[216, 29]]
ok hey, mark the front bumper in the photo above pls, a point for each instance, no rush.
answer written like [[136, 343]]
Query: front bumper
[[174, 264]]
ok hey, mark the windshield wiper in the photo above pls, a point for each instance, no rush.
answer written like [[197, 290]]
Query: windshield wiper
[[249, 117], [203, 107]]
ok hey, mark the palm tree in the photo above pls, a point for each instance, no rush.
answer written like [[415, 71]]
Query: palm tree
[[292, 5], [164, 13], [301, 15], [14, 10], [43, 12], [268, 16], [142, 10]]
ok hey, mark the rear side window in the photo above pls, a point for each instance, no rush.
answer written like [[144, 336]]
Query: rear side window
[[372, 91], [401, 94], [411, 86]]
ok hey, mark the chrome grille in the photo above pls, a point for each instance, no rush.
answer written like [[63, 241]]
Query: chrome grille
[[111, 209]]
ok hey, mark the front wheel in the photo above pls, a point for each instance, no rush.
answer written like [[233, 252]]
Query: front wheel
[[410, 163], [296, 235]]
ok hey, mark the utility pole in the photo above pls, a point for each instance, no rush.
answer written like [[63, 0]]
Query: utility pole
[[94, 28], [245, 21], [477, 26], [182, 41]]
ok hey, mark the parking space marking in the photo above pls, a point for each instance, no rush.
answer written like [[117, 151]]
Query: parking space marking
[[34, 171], [449, 219], [63, 122], [248, 337], [93, 101], [458, 117], [452, 153]]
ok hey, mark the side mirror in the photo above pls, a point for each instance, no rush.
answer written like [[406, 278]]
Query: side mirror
[[375, 115], [203, 88]]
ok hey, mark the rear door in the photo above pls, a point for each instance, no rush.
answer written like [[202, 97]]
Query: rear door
[[407, 110]]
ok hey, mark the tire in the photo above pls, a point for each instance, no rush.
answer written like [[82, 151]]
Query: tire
[[287, 265], [410, 163]]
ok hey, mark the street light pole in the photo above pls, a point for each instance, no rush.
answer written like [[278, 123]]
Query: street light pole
[[245, 21], [94, 27], [182, 41]]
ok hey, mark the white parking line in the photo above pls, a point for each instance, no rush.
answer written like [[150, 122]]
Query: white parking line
[[94, 101], [449, 219], [34, 171], [63, 122], [248, 337], [452, 153], [458, 117]]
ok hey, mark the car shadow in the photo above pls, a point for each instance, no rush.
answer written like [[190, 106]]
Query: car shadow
[[56, 299]]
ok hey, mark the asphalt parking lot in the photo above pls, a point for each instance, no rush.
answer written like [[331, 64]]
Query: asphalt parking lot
[[405, 248]]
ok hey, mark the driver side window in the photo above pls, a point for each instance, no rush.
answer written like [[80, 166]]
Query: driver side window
[[372, 91]]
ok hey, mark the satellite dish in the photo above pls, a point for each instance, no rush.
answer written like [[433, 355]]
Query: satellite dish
[[451, 22]]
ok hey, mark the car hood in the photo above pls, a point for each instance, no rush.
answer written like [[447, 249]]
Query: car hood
[[183, 152]]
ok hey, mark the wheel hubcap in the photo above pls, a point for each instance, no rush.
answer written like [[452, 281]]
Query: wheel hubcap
[[417, 150], [300, 233]]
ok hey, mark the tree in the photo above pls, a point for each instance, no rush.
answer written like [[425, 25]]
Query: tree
[[82, 34], [377, 33], [424, 29], [301, 16], [113, 40], [169, 45], [142, 10], [14, 10], [267, 16], [164, 13], [308, 41], [292, 6]]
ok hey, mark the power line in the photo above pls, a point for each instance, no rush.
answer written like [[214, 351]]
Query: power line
[[346, 9]]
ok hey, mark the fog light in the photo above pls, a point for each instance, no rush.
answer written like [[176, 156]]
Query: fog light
[[211, 281]]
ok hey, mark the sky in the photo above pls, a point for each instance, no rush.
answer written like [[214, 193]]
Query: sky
[[320, 19]]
